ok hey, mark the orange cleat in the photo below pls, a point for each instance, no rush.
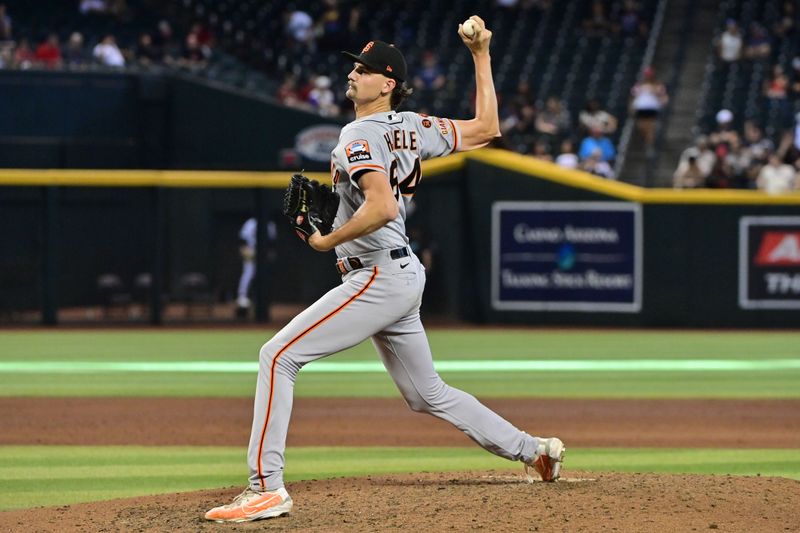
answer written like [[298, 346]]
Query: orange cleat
[[251, 505], [548, 460]]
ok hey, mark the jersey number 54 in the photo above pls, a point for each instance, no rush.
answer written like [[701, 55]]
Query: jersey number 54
[[406, 186]]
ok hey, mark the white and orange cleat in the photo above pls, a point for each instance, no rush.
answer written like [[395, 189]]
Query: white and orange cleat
[[253, 505], [548, 460]]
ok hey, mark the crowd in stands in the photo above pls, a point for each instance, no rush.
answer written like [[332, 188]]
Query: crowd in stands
[[157, 47], [546, 130], [551, 134], [728, 158], [725, 157], [748, 157]]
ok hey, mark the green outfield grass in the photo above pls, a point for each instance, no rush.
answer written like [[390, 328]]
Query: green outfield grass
[[461, 345], [57, 475], [53, 475]]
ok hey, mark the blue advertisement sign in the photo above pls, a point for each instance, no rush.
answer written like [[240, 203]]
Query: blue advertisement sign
[[566, 256]]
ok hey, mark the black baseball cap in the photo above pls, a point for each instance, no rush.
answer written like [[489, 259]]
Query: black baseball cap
[[382, 57]]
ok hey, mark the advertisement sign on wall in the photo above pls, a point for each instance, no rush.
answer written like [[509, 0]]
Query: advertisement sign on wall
[[566, 256], [769, 262]]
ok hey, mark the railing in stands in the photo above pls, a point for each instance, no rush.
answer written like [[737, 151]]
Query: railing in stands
[[627, 130]]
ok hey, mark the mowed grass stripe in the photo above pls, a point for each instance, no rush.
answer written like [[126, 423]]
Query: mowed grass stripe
[[76, 474], [462, 346], [457, 344], [360, 367], [762, 384]]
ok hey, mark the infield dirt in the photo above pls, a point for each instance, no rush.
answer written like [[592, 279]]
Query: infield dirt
[[469, 501], [388, 422]]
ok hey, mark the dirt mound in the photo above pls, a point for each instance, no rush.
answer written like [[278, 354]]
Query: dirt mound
[[489, 501]]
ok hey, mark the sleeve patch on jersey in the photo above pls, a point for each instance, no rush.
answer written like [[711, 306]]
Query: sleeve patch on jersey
[[442, 126], [426, 123], [357, 151]]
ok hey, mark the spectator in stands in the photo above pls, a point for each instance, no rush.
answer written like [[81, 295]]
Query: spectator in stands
[[5, 24], [705, 155], [321, 97], [87, 7], [739, 164], [300, 29], [204, 36], [730, 43], [786, 24], [758, 43], [648, 97], [108, 54], [757, 145], [355, 30], [776, 91], [74, 52], [541, 150], [554, 120], [595, 117], [598, 23], [430, 76], [629, 22], [119, 8], [48, 53], [721, 174], [523, 95], [24, 56], [520, 124], [689, 175], [511, 110], [164, 40], [194, 56], [725, 134], [147, 53], [567, 158], [288, 93], [595, 164], [330, 27], [795, 86], [776, 177], [596, 141]]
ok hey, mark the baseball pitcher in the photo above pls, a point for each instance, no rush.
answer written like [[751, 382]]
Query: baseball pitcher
[[376, 170]]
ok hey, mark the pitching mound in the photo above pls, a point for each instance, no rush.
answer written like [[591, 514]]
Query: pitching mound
[[488, 501]]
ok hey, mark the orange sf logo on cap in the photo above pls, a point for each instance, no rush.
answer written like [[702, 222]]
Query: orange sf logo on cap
[[367, 47], [389, 68]]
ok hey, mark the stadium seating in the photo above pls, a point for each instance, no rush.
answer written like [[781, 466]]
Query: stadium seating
[[547, 47], [738, 86]]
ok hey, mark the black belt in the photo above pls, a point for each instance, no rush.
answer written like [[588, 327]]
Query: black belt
[[355, 263], [398, 253]]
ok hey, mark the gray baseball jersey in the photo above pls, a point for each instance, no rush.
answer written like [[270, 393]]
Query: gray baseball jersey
[[380, 300], [393, 144]]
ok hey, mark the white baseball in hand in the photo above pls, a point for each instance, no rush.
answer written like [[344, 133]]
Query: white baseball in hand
[[469, 28]]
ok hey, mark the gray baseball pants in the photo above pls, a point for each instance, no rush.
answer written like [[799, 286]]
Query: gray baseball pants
[[381, 301]]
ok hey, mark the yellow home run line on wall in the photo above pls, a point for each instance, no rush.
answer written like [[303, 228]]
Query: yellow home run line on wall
[[513, 162]]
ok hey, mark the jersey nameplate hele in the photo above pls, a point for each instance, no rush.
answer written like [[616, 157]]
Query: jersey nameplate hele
[[358, 151], [398, 139]]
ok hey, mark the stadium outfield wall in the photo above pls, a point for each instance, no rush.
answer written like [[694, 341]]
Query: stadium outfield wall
[[513, 240]]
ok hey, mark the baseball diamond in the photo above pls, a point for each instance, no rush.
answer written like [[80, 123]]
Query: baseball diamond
[[430, 266]]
